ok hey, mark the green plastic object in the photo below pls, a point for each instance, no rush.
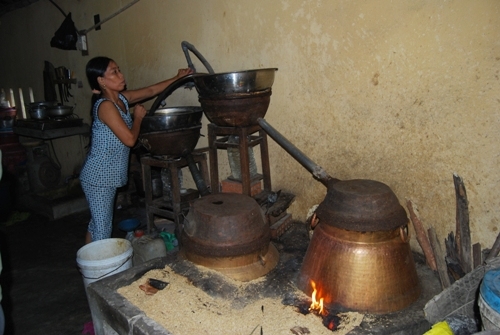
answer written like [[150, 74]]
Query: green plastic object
[[169, 239]]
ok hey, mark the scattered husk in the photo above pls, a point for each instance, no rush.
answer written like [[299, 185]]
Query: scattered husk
[[184, 309]]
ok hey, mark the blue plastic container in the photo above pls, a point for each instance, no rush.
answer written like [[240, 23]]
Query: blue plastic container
[[129, 225], [490, 289], [489, 300]]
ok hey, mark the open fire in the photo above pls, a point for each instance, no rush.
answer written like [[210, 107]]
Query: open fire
[[330, 320]]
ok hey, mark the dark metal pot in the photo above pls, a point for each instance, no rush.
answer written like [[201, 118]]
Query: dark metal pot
[[177, 142], [228, 233], [39, 113], [236, 110], [60, 111]]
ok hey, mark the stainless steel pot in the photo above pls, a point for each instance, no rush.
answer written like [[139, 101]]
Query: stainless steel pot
[[171, 131], [167, 119], [42, 104], [248, 81], [39, 113]]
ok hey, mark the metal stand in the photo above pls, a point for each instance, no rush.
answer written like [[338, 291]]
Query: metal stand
[[246, 140], [180, 201]]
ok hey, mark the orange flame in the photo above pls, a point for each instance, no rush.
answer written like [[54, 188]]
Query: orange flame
[[315, 304]]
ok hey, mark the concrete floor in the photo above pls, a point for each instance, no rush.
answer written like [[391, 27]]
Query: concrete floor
[[43, 291]]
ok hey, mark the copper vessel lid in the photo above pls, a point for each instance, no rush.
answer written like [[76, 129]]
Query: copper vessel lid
[[361, 205]]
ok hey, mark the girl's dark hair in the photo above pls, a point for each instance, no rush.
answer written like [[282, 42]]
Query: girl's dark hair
[[96, 67]]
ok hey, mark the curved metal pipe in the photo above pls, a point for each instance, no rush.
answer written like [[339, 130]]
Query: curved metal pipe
[[186, 47], [168, 91], [317, 171]]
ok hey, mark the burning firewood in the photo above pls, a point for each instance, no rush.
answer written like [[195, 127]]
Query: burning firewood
[[331, 321], [316, 306]]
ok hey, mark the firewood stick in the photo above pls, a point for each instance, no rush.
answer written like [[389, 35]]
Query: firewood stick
[[422, 237], [440, 262], [462, 233], [476, 255], [494, 249]]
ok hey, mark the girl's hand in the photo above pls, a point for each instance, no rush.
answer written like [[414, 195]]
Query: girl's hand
[[139, 112], [183, 72]]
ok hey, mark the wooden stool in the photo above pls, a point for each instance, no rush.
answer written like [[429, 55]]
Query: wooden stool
[[246, 140], [180, 201]]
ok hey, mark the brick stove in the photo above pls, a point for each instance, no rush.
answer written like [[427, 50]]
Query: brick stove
[[119, 316]]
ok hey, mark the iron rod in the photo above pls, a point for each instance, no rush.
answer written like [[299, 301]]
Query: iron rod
[[317, 171]]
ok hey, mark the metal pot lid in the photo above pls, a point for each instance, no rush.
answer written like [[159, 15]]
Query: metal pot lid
[[361, 205]]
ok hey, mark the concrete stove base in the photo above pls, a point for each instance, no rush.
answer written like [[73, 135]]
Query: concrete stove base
[[113, 314]]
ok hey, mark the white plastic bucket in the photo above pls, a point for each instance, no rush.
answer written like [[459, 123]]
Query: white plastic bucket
[[104, 258]]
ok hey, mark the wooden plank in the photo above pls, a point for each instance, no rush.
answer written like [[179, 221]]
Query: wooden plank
[[452, 258], [494, 249], [462, 225], [477, 255], [438, 253]]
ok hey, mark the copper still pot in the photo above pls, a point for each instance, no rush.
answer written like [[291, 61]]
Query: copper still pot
[[228, 233], [359, 256]]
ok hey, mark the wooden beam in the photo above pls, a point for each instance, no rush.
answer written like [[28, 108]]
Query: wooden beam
[[438, 253], [477, 255]]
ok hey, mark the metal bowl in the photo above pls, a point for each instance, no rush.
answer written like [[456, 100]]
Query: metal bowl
[[248, 81], [168, 119]]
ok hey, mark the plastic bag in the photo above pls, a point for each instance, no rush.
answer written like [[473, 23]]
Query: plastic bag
[[66, 36]]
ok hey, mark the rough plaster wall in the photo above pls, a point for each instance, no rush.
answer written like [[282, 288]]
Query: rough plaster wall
[[403, 92]]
